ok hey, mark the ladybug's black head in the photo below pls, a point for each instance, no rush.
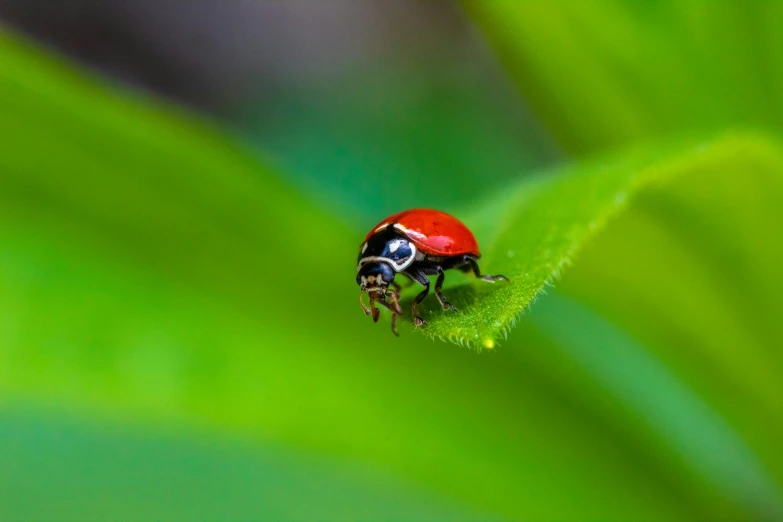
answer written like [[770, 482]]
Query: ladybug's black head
[[375, 278]]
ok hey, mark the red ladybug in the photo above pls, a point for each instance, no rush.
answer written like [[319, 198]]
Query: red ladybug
[[415, 243]]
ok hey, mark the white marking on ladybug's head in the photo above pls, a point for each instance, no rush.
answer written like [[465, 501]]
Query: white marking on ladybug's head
[[398, 267], [394, 245], [364, 247]]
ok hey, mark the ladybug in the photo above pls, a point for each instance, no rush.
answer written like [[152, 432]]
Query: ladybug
[[415, 243]]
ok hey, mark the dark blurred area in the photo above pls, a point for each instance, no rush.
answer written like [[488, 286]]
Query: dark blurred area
[[213, 55]]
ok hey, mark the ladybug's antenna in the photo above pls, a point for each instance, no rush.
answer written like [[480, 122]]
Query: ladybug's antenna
[[376, 313]]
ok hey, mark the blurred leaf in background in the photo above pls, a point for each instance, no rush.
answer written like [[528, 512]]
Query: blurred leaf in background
[[603, 76], [179, 332]]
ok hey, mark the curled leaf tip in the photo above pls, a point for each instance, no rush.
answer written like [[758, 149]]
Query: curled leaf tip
[[536, 232]]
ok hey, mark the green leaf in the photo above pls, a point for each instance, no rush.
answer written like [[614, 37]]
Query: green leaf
[[536, 230], [693, 273], [156, 277], [179, 477], [681, 253], [692, 433]]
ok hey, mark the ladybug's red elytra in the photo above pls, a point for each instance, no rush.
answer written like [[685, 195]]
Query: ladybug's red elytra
[[415, 243]]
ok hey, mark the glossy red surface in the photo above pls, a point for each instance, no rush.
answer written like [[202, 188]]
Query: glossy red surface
[[433, 232]]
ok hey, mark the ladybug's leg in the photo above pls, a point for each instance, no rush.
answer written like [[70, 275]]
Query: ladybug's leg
[[394, 306], [490, 278], [395, 303], [396, 310], [375, 312], [438, 285], [371, 310], [394, 325], [419, 277], [417, 320], [367, 311]]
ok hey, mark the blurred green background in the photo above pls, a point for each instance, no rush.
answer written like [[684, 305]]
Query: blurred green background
[[184, 186]]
